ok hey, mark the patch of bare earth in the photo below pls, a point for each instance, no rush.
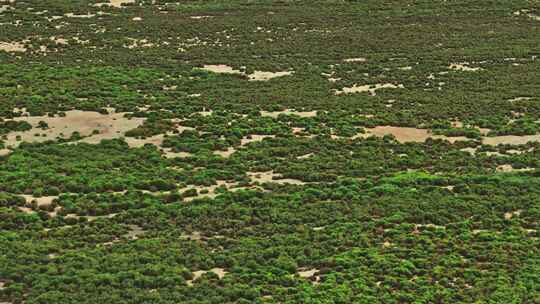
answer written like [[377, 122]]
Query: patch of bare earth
[[464, 66], [91, 125], [115, 3], [255, 76], [510, 168], [220, 272], [367, 88], [405, 134], [271, 177], [309, 274], [12, 47], [275, 114]]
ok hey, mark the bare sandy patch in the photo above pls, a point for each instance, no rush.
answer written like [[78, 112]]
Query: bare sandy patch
[[221, 69], [368, 88], [309, 274], [305, 156], [271, 177], [255, 76], [72, 15], [463, 67], [139, 43], [520, 98], [509, 215], [254, 138], [510, 168], [200, 17], [220, 272], [358, 59], [265, 76], [41, 201], [107, 126], [510, 139], [275, 114], [115, 3], [134, 232], [405, 134], [4, 8], [12, 47]]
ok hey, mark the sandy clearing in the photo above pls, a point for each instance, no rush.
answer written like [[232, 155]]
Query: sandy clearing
[[255, 76], [305, 156], [4, 8], [520, 98], [253, 138], [368, 88], [358, 59], [72, 15], [134, 232], [109, 126], [271, 177], [463, 67], [406, 134], [265, 76], [41, 201], [197, 274], [307, 273], [509, 215], [510, 139], [510, 168], [275, 114], [12, 47], [201, 17], [115, 3]]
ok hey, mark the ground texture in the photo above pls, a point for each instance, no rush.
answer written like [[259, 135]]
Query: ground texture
[[258, 151]]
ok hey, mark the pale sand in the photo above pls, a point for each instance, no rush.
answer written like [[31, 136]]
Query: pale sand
[[368, 88], [115, 3], [12, 47], [110, 126], [359, 59], [197, 274], [275, 114], [255, 76], [271, 177], [509, 168], [41, 201], [405, 134], [463, 67]]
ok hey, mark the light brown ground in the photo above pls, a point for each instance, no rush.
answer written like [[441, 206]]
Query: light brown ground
[[197, 274], [463, 67], [271, 177], [41, 201], [509, 215], [115, 3], [368, 88], [275, 114], [359, 59], [110, 126], [509, 168], [405, 134], [11, 47], [255, 76]]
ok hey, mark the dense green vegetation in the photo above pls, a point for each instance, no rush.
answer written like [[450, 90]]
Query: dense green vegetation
[[240, 191]]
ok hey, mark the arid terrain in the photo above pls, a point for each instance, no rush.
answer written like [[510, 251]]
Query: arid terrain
[[269, 151]]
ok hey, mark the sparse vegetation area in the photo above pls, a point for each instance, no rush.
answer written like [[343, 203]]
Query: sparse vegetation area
[[266, 151]]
